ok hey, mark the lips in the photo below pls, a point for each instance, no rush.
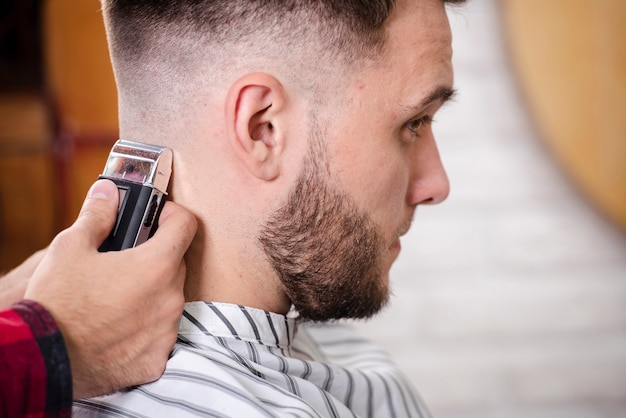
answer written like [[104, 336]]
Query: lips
[[406, 226]]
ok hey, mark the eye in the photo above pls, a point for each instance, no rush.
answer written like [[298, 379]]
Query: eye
[[416, 125]]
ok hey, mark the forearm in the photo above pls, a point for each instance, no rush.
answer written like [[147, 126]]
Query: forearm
[[35, 376]]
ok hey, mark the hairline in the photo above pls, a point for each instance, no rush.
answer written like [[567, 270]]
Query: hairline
[[198, 48]]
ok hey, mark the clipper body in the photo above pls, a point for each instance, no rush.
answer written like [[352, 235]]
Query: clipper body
[[141, 173]]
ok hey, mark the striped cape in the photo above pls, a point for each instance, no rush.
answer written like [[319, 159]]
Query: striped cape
[[235, 361]]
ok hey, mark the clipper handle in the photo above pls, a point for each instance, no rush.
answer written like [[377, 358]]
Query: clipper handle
[[137, 218], [141, 173]]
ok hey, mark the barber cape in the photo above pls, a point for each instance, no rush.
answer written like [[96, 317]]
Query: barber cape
[[235, 361]]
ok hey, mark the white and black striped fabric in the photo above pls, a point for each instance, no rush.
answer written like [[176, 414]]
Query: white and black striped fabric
[[234, 361]]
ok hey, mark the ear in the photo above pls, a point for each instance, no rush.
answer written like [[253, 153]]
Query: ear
[[253, 122]]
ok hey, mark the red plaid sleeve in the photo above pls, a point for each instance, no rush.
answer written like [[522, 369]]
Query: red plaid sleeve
[[35, 377]]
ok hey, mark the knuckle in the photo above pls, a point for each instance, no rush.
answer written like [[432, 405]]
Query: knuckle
[[182, 270], [97, 215], [154, 371], [190, 222], [179, 306], [62, 241]]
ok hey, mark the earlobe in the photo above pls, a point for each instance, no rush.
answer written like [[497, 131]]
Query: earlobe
[[253, 108]]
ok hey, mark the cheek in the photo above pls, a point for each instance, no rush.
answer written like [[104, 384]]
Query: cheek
[[382, 193], [375, 174], [391, 193]]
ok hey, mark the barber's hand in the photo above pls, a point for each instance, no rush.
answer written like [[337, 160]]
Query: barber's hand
[[118, 311]]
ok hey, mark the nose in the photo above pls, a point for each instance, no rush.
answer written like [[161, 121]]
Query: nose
[[428, 184]]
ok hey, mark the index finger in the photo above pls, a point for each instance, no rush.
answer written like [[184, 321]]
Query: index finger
[[177, 228]]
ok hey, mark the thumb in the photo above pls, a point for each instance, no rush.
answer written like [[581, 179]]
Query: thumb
[[99, 211]]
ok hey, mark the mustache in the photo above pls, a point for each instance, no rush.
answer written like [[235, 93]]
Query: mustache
[[405, 226]]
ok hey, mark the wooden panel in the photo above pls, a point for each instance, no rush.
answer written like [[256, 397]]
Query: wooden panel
[[78, 69], [23, 123], [570, 57], [85, 167], [80, 79], [45, 173], [27, 205]]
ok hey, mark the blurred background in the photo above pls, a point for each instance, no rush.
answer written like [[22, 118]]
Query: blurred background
[[58, 117], [509, 298]]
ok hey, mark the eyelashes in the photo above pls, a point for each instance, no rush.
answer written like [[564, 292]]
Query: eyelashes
[[416, 125]]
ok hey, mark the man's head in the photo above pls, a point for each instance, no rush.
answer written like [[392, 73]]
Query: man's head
[[165, 45], [302, 137]]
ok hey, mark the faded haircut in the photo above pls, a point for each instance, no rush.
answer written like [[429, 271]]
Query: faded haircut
[[348, 28], [157, 45], [345, 29]]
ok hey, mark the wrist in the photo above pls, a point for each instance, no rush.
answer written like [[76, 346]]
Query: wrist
[[53, 350]]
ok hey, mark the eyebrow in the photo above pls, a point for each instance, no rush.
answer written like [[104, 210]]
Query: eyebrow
[[441, 94]]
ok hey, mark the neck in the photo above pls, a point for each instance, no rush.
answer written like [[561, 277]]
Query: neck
[[224, 263], [219, 272]]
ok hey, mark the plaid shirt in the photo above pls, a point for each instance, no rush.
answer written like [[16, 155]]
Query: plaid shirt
[[35, 376]]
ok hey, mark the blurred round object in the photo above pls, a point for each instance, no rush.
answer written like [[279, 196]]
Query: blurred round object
[[570, 61]]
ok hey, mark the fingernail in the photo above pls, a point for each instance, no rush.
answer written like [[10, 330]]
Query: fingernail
[[101, 190]]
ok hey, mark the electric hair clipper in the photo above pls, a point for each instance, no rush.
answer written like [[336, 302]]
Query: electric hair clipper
[[141, 173]]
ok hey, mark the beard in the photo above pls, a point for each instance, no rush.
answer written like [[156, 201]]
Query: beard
[[326, 253]]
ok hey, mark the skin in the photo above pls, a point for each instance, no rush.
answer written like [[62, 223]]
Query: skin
[[387, 169], [343, 258], [13, 284], [242, 142], [118, 311]]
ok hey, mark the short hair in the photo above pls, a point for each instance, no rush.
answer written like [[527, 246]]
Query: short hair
[[349, 28], [352, 27], [171, 34]]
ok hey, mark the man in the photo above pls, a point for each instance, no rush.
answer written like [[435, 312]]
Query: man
[[72, 335], [302, 142]]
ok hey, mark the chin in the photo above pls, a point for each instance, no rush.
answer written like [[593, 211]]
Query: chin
[[390, 257]]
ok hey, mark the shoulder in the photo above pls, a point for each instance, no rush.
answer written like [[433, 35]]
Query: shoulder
[[339, 343], [207, 382]]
